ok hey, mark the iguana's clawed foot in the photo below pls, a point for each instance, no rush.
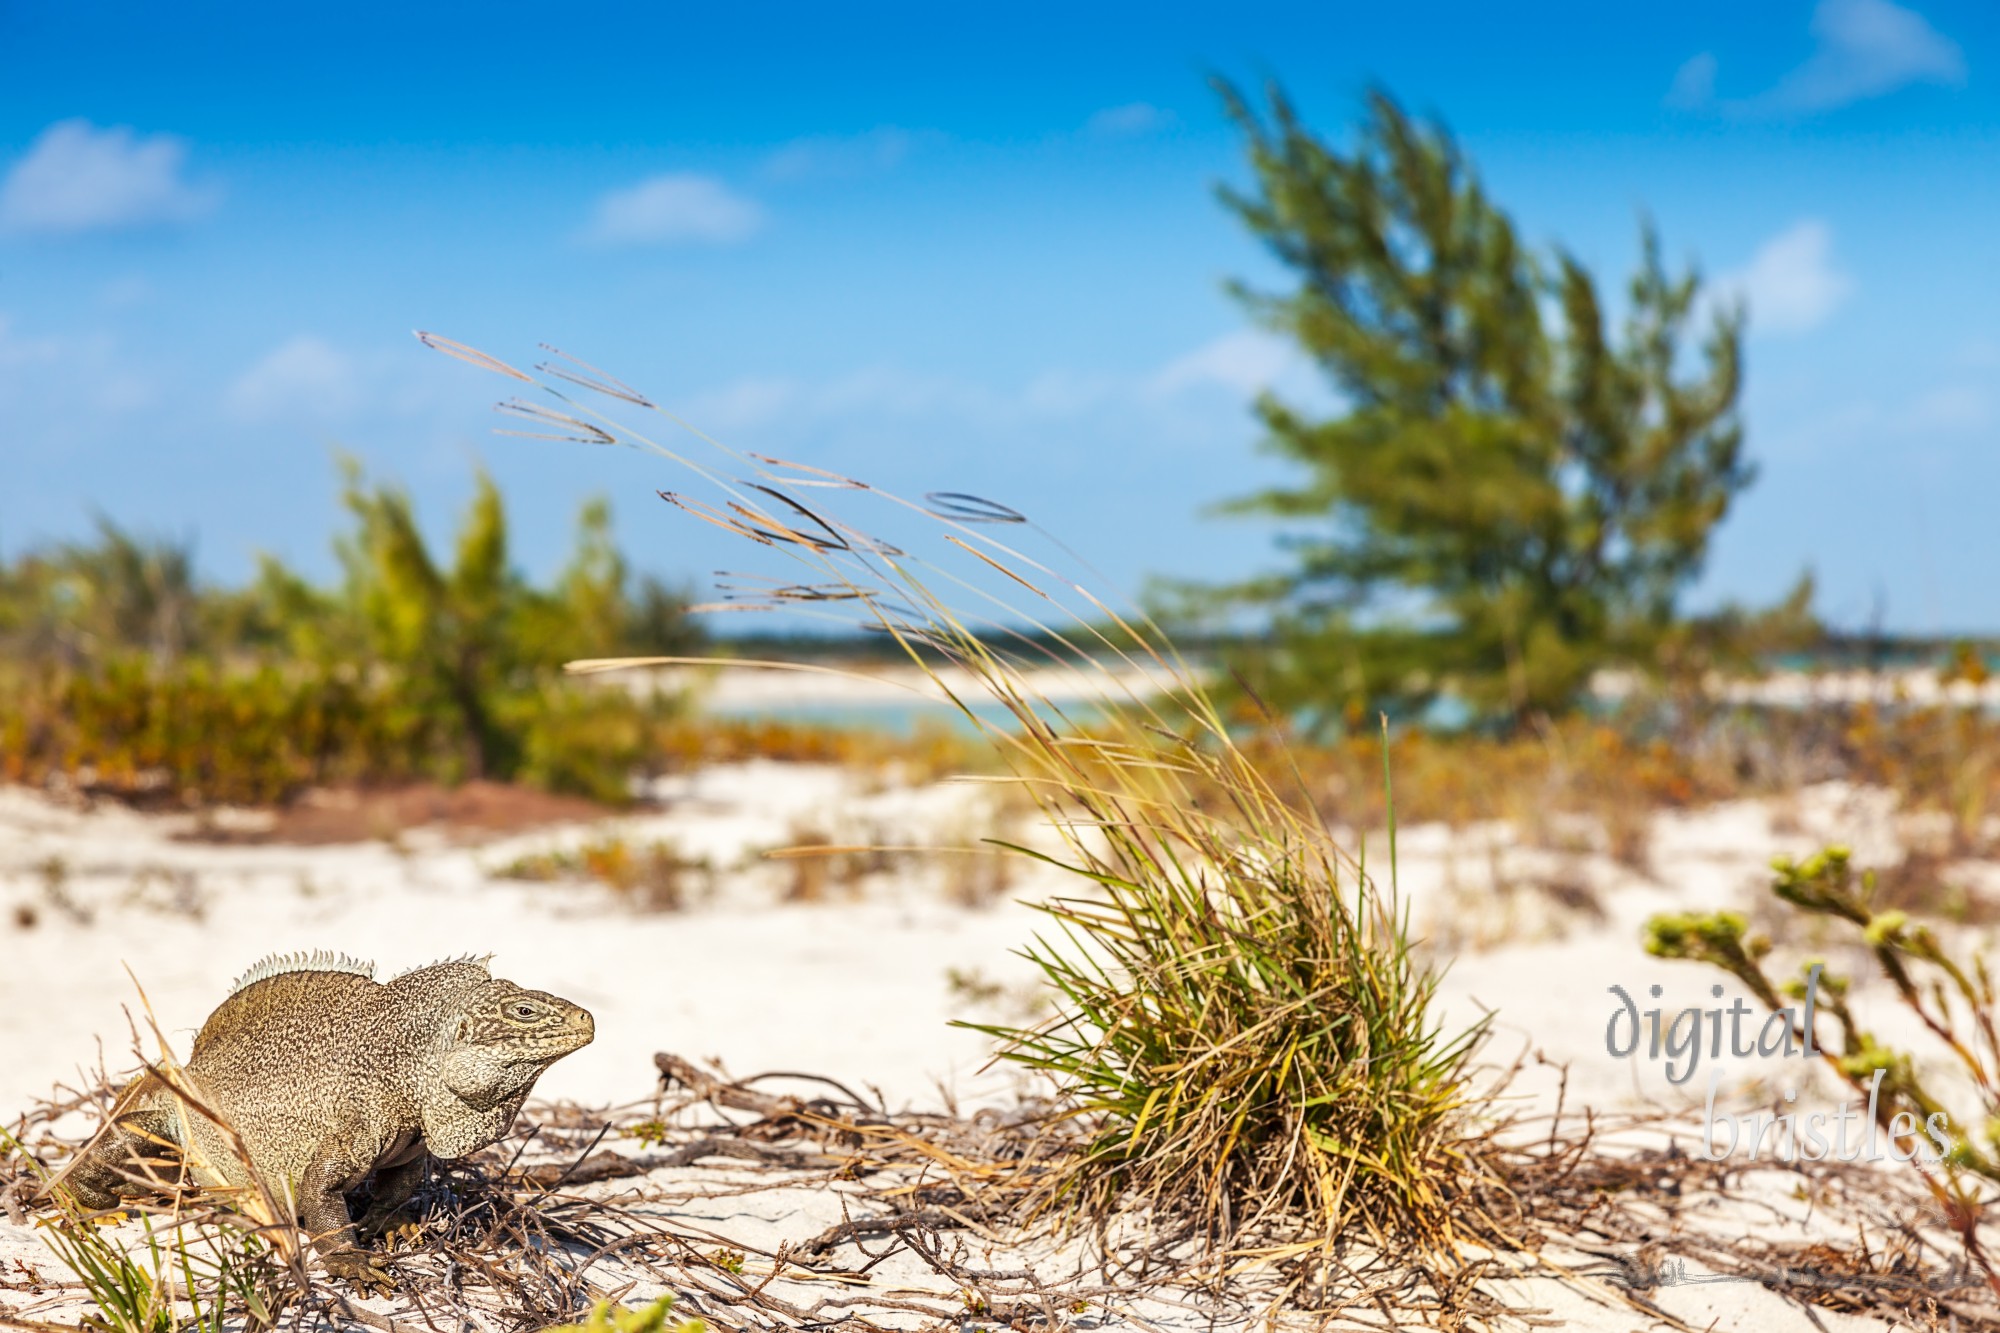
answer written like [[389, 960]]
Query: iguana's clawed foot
[[383, 1226], [368, 1271]]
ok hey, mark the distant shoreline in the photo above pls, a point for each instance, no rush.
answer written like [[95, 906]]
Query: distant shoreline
[[872, 687]]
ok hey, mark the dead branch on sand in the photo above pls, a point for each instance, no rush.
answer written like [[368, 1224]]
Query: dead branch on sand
[[710, 1190]]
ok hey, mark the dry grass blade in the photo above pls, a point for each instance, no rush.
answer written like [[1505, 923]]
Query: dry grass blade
[[971, 508], [578, 430], [595, 379], [808, 476], [197, 1264], [471, 356]]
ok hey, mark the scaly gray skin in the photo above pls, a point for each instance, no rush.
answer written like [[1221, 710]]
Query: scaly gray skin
[[329, 1076]]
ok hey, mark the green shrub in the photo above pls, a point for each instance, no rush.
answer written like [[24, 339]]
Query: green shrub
[[132, 680]]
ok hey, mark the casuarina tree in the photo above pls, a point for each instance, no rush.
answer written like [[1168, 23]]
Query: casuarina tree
[[1515, 486]]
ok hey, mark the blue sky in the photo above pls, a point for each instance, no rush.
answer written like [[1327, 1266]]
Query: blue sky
[[944, 250]]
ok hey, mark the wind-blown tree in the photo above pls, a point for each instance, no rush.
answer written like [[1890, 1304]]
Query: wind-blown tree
[[1512, 495]]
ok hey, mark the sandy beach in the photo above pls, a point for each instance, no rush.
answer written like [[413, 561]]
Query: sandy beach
[[862, 984]]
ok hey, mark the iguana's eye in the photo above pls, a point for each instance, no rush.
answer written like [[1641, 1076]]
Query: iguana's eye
[[524, 1011]]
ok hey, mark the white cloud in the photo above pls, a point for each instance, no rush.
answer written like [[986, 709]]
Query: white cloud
[[676, 208], [1957, 407], [1694, 83], [76, 177], [1221, 374], [21, 352], [746, 403], [67, 380], [1791, 284], [1066, 393], [1981, 354], [1949, 415], [1863, 49], [1128, 121], [306, 378], [837, 156], [310, 382], [1247, 361]]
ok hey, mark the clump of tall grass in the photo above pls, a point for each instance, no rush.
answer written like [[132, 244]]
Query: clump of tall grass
[[1241, 1006], [1244, 1030], [186, 1274]]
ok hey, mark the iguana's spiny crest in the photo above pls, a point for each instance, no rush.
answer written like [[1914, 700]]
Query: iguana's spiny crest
[[482, 961], [327, 960], [318, 960]]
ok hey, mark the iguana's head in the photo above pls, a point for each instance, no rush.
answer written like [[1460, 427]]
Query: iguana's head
[[500, 1038], [493, 1038], [513, 1026]]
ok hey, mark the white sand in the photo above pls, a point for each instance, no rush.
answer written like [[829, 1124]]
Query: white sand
[[750, 689], [1922, 686], [841, 986], [744, 688], [856, 989]]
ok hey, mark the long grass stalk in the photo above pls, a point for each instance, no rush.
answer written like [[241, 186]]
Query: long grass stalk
[[1245, 1037]]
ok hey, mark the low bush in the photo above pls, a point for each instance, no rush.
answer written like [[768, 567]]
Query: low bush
[[1617, 773], [200, 732], [124, 676], [653, 876]]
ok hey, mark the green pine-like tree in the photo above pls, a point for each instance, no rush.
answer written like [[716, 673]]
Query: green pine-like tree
[[1512, 493]]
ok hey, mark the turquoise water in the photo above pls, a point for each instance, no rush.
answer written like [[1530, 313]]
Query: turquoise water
[[907, 716]]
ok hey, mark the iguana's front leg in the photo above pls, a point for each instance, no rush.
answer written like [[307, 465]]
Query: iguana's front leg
[[323, 1213], [393, 1187]]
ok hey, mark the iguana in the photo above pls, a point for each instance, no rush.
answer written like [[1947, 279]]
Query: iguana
[[328, 1076]]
